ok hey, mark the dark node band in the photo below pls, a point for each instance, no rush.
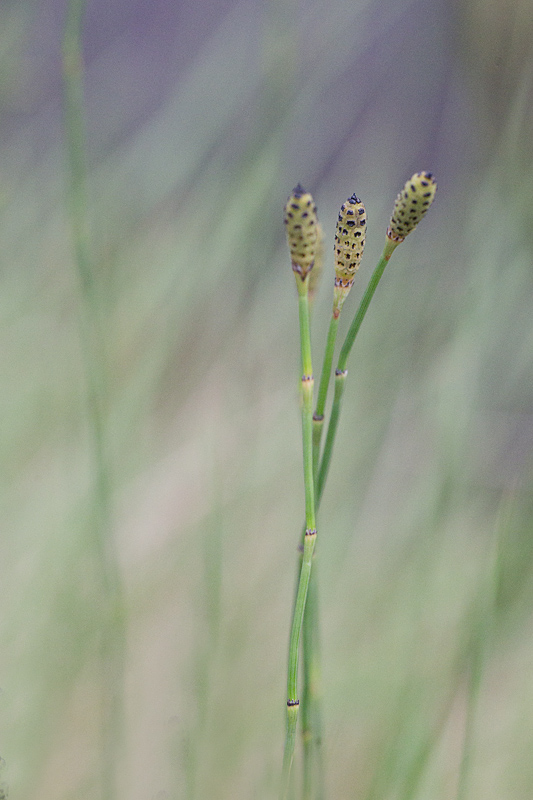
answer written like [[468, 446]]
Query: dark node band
[[318, 417], [291, 703], [310, 532], [345, 283], [298, 270], [341, 373], [394, 238], [307, 378]]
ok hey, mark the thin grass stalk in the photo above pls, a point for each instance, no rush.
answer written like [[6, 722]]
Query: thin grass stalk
[[211, 591], [475, 671], [477, 656], [410, 789], [310, 534], [113, 625]]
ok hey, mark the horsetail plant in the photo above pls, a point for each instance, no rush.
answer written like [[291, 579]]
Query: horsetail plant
[[302, 228], [301, 225]]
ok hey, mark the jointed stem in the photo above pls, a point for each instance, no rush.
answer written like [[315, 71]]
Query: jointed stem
[[312, 727], [313, 776], [318, 416], [315, 474], [313, 768], [307, 402], [311, 715], [341, 372], [310, 533]]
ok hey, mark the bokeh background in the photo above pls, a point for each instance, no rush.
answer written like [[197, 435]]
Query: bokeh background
[[200, 117]]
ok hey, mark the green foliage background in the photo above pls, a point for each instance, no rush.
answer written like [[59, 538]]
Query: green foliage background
[[426, 528]]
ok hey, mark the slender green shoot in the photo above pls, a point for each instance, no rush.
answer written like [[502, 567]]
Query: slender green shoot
[[310, 533], [350, 237], [474, 675], [307, 402], [205, 658], [313, 769], [113, 625], [318, 416], [410, 207], [301, 223], [313, 766], [341, 371], [480, 639], [311, 716]]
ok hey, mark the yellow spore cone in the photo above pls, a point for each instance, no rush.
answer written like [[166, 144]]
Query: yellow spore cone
[[411, 205], [301, 223], [350, 239]]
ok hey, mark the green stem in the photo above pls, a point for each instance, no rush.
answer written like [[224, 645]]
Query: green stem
[[474, 675], [310, 534], [292, 680], [307, 402], [316, 486], [113, 625], [308, 631], [75, 139], [318, 416], [205, 666], [311, 663], [341, 372], [313, 768], [340, 380], [313, 771], [312, 719], [480, 638], [361, 311]]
